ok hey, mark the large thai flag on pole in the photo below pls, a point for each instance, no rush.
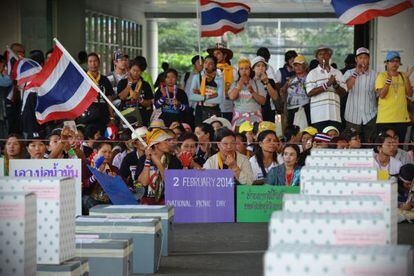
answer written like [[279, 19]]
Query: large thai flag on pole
[[354, 12], [24, 70], [218, 18], [64, 89]]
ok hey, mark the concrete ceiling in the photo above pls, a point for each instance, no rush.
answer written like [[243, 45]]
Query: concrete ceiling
[[257, 6]]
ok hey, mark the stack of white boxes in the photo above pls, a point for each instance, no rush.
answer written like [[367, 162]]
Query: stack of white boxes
[[55, 235], [17, 233], [344, 222]]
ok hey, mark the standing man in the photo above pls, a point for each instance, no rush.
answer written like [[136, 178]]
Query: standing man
[[207, 91], [99, 112], [120, 72], [227, 72], [361, 106], [189, 76], [325, 86], [392, 89]]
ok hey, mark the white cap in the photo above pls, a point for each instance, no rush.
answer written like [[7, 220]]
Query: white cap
[[362, 50], [257, 60]]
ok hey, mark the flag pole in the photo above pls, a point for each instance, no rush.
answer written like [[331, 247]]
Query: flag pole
[[199, 29], [93, 84]]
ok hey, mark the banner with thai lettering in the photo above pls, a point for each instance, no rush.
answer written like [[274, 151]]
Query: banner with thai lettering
[[200, 196], [40, 168], [257, 203]]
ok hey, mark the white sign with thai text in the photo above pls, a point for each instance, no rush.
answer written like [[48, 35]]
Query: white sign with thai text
[[40, 168]]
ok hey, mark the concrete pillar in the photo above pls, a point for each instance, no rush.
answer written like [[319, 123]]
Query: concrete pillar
[[395, 33], [69, 25], [152, 48]]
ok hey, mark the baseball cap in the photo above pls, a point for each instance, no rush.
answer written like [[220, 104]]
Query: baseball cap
[[310, 130], [391, 55], [299, 59], [323, 47], [119, 55], [245, 127], [257, 60], [329, 128], [266, 125], [362, 50]]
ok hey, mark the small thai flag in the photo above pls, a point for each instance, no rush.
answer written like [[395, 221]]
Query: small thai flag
[[354, 12], [218, 18], [64, 89], [25, 70]]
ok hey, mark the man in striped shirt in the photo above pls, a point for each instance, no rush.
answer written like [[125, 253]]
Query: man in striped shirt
[[325, 86], [361, 107]]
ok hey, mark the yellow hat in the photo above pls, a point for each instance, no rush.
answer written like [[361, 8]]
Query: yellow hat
[[311, 130], [265, 125], [243, 61], [245, 127], [157, 136], [299, 59]]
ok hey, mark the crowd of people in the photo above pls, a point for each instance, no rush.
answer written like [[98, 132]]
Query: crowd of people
[[221, 116]]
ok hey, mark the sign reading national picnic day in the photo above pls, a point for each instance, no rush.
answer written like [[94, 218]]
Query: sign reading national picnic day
[[200, 196]]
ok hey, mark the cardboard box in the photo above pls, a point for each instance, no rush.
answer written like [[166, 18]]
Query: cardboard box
[[329, 229], [387, 190], [146, 235], [166, 213], [73, 267], [341, 161], [319, 260], [309, 173], [55, 215], [17, 233], [106, 256]]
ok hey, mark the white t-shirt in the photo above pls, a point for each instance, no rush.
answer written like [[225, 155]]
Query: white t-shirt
[[326, 105], [393, 167], [257, 171]]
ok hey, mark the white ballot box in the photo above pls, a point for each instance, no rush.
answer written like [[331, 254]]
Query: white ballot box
[[17, 233], [333, 260], [55, 215]]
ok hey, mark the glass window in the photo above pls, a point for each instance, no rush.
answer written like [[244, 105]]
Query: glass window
[[104, 34]]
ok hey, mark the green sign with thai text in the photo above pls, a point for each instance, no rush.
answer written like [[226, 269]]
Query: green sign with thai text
[[257, 203]]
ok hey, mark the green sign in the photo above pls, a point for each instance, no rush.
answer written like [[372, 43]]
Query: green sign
[[257, 203]]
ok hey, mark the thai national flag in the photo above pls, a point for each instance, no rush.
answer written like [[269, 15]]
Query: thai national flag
[[24, 70], [354, 12], [218, 18], [64, 89]]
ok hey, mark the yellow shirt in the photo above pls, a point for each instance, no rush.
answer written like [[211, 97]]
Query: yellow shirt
[[392, 108]]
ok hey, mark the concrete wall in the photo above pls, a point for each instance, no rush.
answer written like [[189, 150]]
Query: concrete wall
[[394, 33], [10, 27]]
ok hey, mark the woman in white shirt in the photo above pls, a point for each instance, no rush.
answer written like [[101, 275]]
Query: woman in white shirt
[[265, 157]]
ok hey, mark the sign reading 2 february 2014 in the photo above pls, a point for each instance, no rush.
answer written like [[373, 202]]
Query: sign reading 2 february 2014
[[200, 196]]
